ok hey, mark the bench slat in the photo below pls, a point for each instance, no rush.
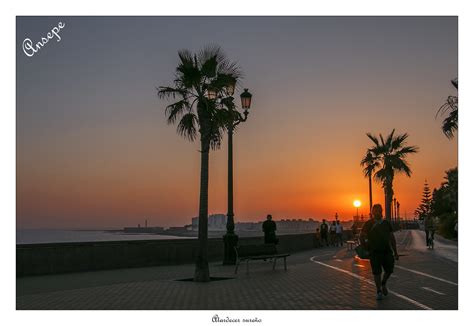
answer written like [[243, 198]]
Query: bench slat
[[258, 252], [264, 257]]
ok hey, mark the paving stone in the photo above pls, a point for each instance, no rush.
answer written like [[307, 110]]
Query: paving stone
[[306, 285]]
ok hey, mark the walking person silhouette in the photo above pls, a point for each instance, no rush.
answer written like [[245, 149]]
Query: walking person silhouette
[[377, 236]]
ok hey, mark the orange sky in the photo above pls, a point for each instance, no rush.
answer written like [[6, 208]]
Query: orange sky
[[95, 150]]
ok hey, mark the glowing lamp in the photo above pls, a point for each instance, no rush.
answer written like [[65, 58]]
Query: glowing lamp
[[230, 88], [246, 99], [212, 93]]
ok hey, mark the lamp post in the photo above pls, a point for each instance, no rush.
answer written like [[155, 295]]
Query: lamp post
[[357, 205], [398, 211], [230, 238]]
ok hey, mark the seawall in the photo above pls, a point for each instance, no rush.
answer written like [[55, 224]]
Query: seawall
[[54, 258]]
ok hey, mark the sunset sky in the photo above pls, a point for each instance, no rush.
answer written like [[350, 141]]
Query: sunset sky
[[94, 149]]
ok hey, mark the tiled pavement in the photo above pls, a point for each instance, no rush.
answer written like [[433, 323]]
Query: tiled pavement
[[327, 278]]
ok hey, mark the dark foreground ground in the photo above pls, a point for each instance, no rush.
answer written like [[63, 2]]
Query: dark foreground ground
[[326, 278]]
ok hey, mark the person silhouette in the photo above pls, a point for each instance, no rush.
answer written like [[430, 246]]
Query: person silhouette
[[377, 236], [269, 230], [339, 232], [324, 228], [332, 233]]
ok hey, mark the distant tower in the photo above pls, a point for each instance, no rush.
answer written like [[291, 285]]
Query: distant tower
[[336, 216], [146, 223]]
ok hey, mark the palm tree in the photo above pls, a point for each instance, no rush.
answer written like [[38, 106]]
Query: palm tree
[[391, 154], [370, 163], [200, 78], [450, 123]]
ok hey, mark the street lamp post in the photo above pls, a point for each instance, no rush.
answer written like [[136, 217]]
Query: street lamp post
[[357, 204], [230, 238]]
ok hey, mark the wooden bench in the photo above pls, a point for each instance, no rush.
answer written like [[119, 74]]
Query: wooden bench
[[257, 252], [351, 244]]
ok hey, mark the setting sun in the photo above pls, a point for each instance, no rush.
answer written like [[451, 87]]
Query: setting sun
[[357, 203]]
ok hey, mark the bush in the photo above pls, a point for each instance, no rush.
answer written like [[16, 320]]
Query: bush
[[446, 226]]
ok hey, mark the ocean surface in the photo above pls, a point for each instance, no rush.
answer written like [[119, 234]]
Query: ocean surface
[[28, 236]]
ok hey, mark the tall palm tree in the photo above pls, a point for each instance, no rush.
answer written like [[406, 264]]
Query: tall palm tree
[[450, 123], [200, 78], [391, 154], [370, 163]]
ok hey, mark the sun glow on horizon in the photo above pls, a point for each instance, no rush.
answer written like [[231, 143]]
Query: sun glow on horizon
[[357, 203]]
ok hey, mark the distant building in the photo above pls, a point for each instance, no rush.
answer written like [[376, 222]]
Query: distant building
[[248, 226], [150, 229], [215, 222]]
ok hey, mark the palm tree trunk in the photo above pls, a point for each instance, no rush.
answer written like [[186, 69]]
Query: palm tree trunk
[[201, 273], [370, 194], [388, 200]]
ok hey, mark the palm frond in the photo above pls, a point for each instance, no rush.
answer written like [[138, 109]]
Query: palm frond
[[378, 151], [382, 141], [220, 119], [407, 150], [227, 67], [388, 141], [387, 157], [370, 162], [221, 82], [209, 67], [228, 102], [194, 74], [210, 51], [175, 110], [187, 126], [379, 176], [450, 124], [166, 92], [187, 70], [373, 138], [186, 57], [400, 165], [454, 82], [451, 104], [398, 141]]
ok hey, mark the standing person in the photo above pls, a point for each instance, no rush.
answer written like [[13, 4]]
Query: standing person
[[269, 228], [317, 243], [324, 232], [377, 235], [339, 230], [332, 233]]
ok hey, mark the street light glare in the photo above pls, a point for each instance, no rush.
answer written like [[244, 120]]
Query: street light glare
[[357, 203]]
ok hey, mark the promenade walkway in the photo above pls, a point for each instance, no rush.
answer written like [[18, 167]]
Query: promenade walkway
[[324, 278]]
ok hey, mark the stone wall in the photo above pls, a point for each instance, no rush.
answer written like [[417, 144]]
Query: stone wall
[[53, 258]]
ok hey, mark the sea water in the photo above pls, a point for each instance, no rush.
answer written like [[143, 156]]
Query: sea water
[[29, 236]]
